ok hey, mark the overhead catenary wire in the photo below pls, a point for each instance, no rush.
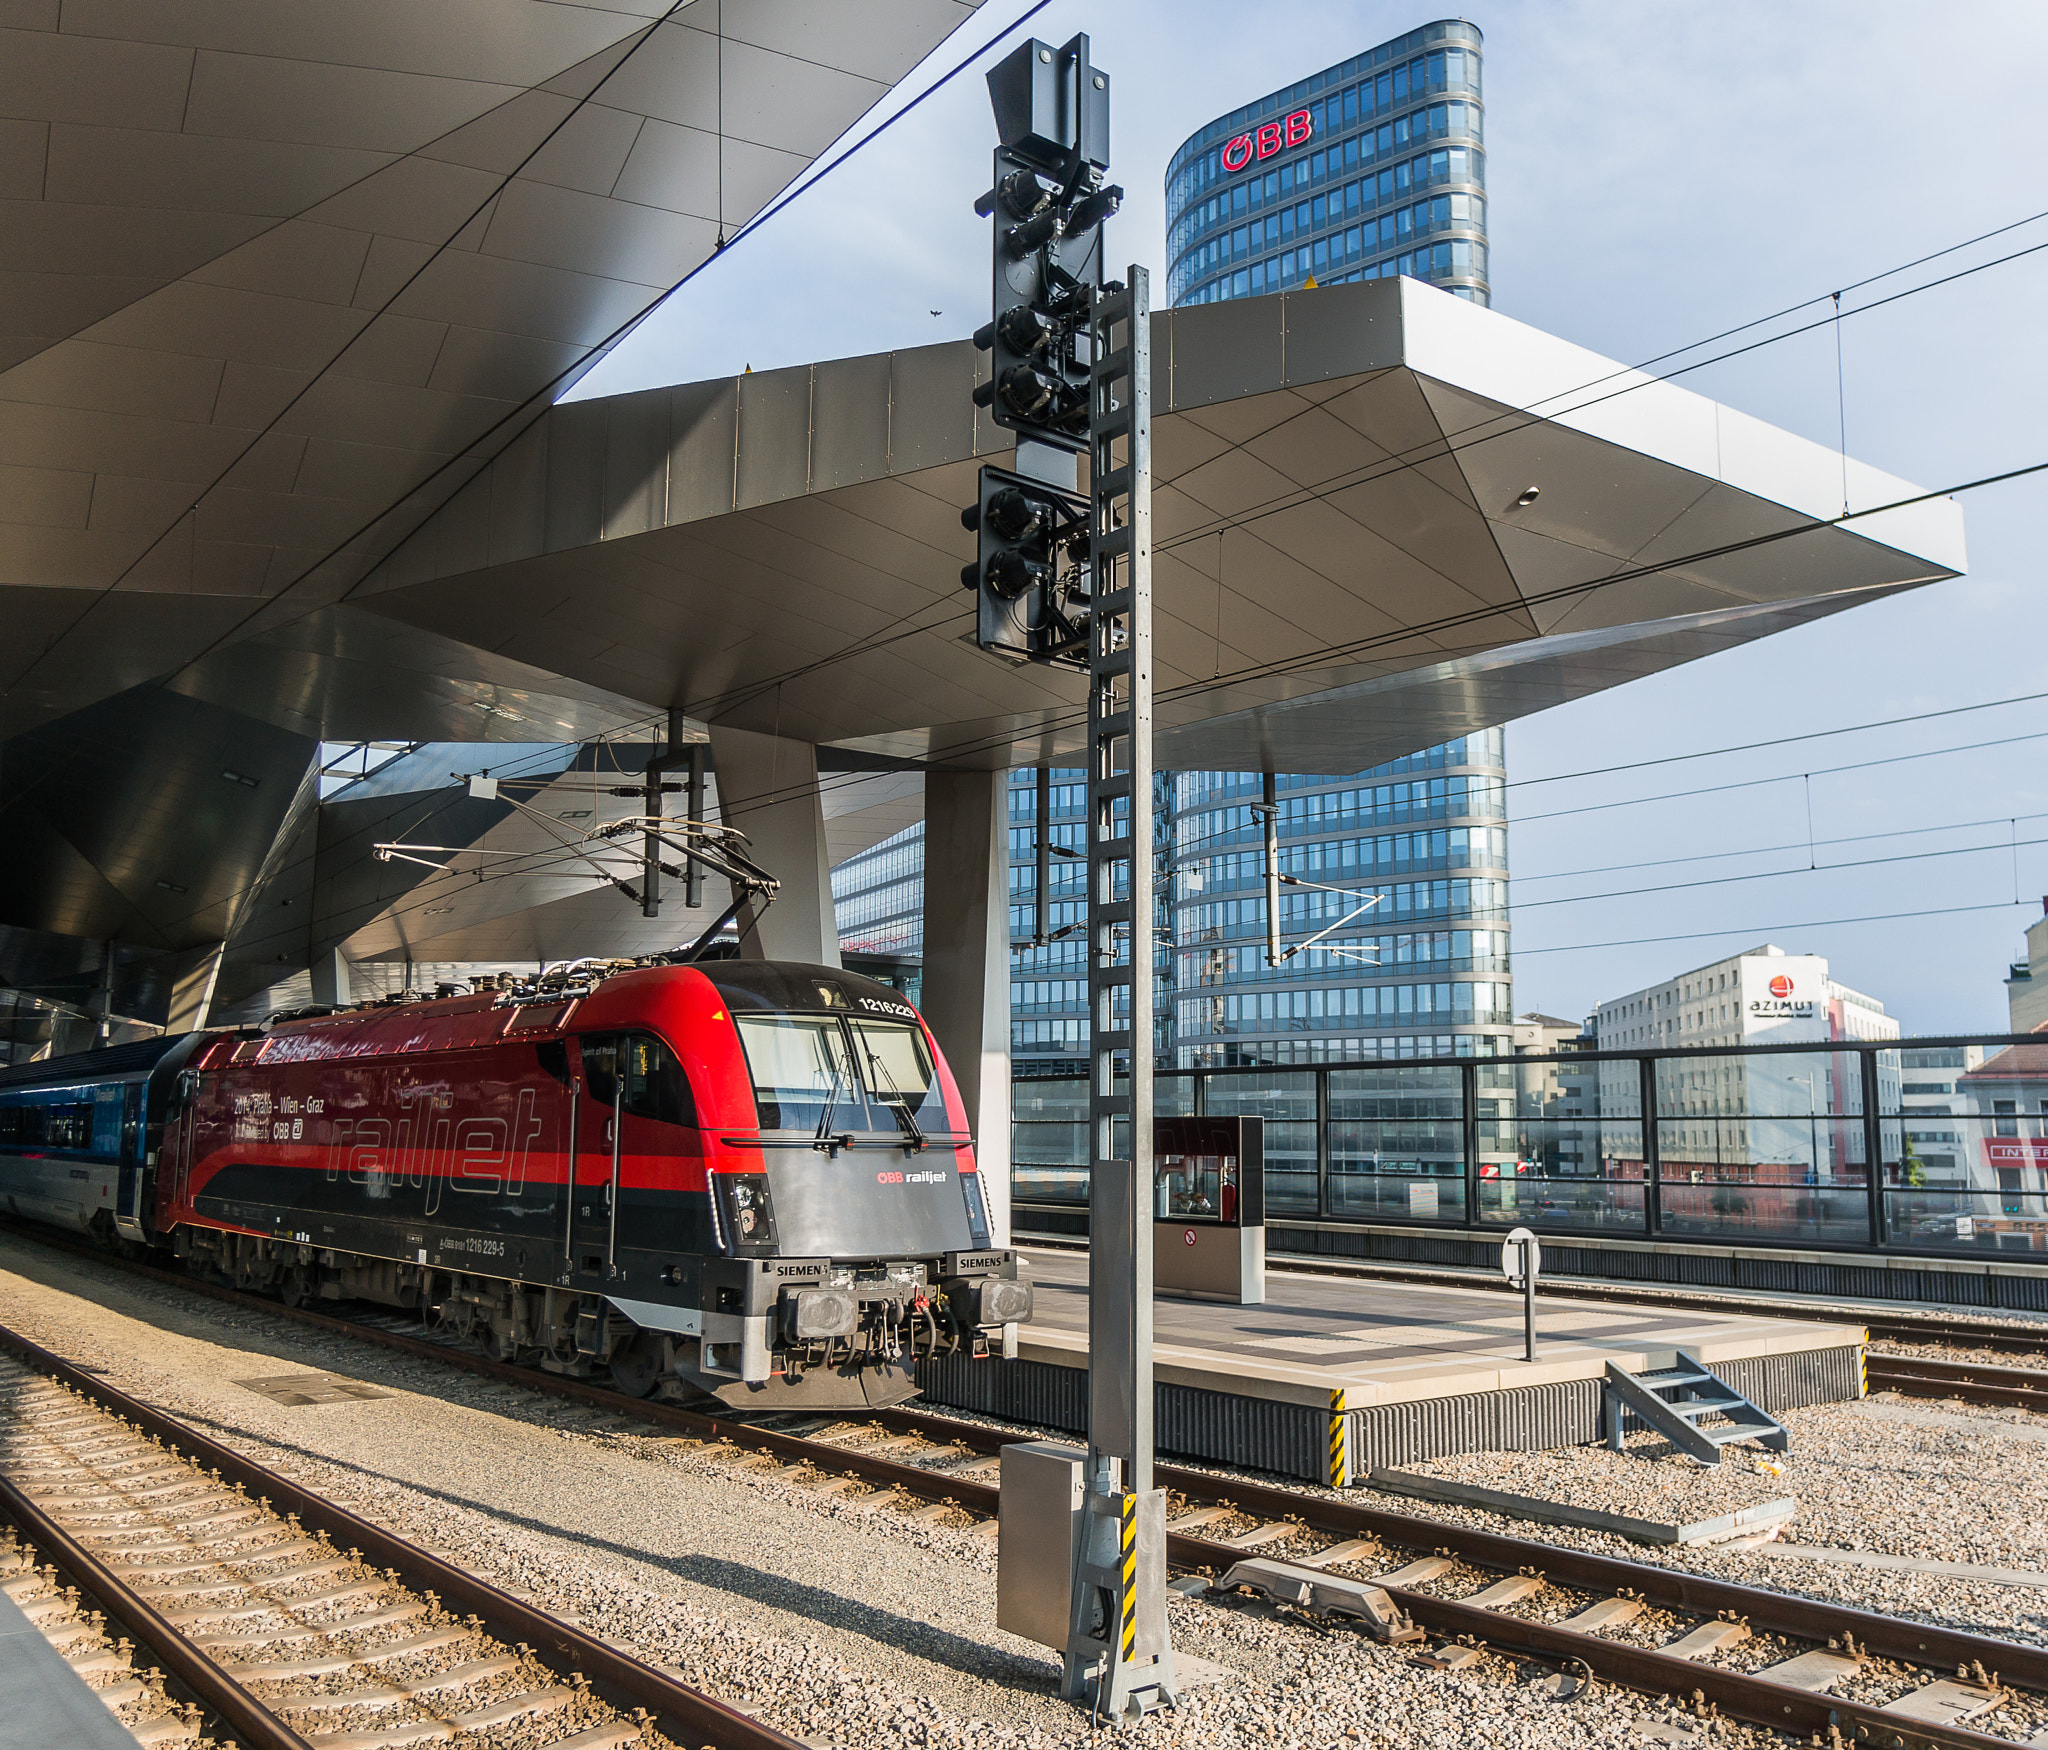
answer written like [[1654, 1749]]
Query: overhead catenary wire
[[1476, 434], [1364, 829], [2017, 845], [897, 116], [1710, 753], [1328, 655], [1861, 838], [1758, 932]]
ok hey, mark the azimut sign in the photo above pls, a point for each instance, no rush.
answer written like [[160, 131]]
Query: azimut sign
[[1784, 992], [1264, 141], [1782, 1000]]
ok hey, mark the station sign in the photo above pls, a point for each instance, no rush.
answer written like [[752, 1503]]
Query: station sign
[[1262, 142]]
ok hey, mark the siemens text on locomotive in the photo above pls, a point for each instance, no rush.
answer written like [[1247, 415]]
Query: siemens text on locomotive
[[754, 1178]]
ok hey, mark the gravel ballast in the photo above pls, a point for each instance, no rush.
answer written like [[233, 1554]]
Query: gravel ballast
[[1647, 1480], [835, 1616]]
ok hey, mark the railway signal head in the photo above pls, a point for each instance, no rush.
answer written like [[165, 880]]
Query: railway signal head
[[1029, 568], [1049, 202]]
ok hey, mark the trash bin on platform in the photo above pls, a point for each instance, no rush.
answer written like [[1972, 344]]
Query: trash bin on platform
[[1209, 1208]]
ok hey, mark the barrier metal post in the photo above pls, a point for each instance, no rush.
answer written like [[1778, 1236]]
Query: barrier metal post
[[1873, 1142]]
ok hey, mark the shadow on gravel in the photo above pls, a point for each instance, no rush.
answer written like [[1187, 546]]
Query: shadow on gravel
[[923, 1640]]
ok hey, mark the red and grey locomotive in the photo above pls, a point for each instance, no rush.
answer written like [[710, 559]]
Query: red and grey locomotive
[[754, 1178]]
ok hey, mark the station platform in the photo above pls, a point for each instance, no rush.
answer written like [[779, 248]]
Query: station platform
[[1426, 1370], [48, 1703]]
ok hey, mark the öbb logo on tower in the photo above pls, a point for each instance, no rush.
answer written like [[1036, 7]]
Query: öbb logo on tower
[[1291, 130]]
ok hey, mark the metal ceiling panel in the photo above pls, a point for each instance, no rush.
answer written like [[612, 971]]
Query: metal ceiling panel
[[284, 278], [1310, 539]]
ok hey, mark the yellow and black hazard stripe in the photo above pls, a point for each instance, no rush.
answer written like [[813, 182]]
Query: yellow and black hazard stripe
[[1863, 1367], [1127, 1588], [1340, 1441]]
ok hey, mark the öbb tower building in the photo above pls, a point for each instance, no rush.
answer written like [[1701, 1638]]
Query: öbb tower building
[[1371, 168], [1374, 166]]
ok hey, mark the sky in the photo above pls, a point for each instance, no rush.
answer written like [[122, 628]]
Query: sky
[[1657, 173]]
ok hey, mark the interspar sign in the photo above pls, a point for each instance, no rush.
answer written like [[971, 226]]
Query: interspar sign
[[2016, 1151], [1263, 142]]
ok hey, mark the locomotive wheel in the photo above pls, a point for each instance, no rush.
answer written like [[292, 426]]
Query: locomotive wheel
[[297, 1287], [637, 1366]]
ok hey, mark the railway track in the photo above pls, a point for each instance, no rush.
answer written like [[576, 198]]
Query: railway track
[[278, 1617], [1974, 1382], [1798, 1665]]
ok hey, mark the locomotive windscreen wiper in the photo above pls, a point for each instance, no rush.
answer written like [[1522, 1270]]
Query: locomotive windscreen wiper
[[822, 1137], [900, 1105]]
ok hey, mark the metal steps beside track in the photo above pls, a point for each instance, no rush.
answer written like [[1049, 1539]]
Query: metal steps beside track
[[1675, 1400]]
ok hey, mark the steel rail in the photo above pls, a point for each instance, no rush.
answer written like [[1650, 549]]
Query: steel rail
[[680, 1710], [1754, 1699], [1975, 1382], [254, 1725], [1740, 1694]]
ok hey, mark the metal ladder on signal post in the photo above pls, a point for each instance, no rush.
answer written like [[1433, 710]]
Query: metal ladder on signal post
[[1117, 1632]]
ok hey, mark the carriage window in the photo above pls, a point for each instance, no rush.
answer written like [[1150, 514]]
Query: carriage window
[[898, 1070], [21, 1126], [70, 1125], [656, 1086], [801, 1070], [65, 1125]]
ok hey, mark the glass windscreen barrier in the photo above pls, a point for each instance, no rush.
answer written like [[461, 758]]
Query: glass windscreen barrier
[[1049, 1142], [1397, 1143], [1766, 1146], [1966, 1161], [1287, 1102]]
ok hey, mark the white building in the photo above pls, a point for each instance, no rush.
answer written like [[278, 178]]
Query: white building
[[1762, 996], [1782, 1121], [2026, 984]]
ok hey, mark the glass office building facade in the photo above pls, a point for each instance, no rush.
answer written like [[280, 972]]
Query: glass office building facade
[[1371, 168], [1417, 853]]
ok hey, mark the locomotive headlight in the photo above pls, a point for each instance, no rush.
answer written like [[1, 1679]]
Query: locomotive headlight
[[745, 1210]]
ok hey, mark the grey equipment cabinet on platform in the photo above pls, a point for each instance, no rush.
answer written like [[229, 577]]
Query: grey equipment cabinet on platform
[[1209, 1208]]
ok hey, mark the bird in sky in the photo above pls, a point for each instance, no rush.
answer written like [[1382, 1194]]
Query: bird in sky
[[938, 312]]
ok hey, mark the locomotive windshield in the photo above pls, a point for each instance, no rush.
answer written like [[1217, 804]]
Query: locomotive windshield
[[809, 1075], [899, 1070], [801, 1067]]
